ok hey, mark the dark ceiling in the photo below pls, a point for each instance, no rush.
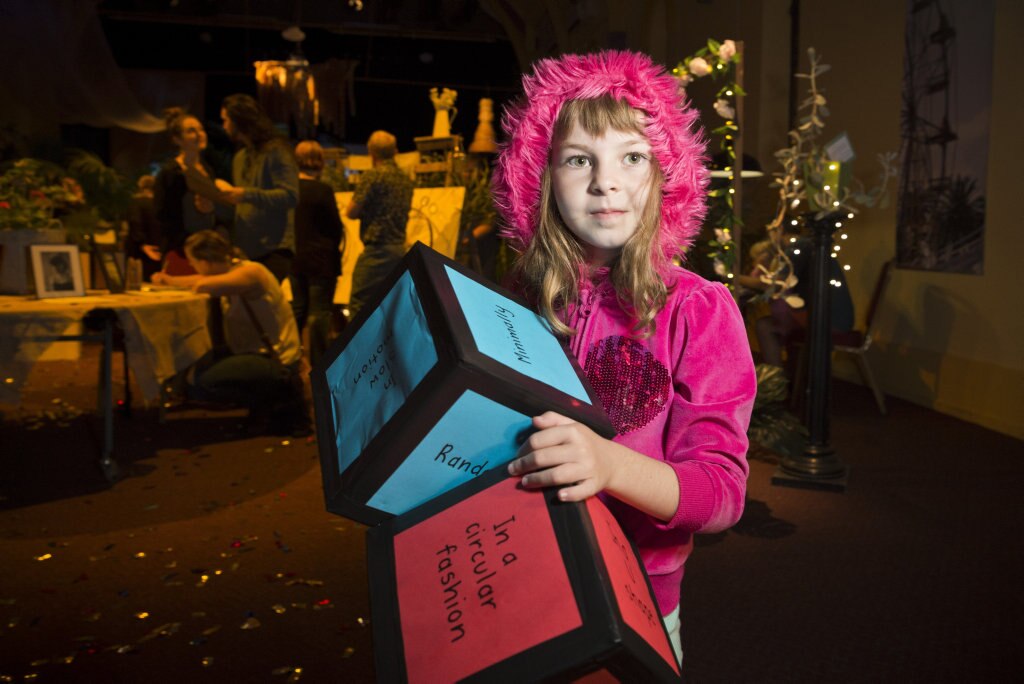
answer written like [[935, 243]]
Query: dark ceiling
[[403, 47]]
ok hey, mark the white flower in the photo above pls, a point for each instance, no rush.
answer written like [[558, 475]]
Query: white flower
[[722, 235], [719, 267], [698, 67], [727, 50], [684, 79], [723, 109]]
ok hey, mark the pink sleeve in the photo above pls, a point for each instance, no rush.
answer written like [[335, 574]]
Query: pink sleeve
[[706, 435]]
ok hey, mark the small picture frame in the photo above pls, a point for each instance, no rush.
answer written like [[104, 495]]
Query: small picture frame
[[111, 270], [57, 271]]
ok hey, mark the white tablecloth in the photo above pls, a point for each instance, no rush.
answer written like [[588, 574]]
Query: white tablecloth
[[164, 332]]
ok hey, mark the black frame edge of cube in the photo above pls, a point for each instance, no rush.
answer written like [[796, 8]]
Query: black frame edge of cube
[[601, 646], [592, 415], [424, 407], [336, 501], [380, 562], [628, 641]]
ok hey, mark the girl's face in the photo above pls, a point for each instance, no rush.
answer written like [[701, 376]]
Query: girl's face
[[601, 186], [193, 135]]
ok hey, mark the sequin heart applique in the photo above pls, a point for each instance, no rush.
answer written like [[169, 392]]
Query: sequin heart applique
[[632, 385]]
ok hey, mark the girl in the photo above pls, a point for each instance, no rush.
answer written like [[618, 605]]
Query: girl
[[601, 185], [262, 367]]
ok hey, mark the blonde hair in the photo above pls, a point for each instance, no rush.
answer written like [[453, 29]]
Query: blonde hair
[[382, 145], [549, 270], [310, 157]]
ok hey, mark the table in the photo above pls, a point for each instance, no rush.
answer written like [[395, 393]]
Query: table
[[164, 332]]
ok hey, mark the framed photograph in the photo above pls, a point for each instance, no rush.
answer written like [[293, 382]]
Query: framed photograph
[[111, 270], [57, 270]]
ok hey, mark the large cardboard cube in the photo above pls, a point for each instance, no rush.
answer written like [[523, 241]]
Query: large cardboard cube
[[434, 384], [495, 583]]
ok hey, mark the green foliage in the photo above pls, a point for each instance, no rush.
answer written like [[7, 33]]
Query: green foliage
[[31, 191], [718, 59], [107, 191], [771, 425], [335, 177], [478, 206]]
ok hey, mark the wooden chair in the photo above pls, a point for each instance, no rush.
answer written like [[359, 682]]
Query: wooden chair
[[853, 342]]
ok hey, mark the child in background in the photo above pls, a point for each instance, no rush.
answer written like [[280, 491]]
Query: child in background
[[755, 299], [319, 236], [601, 185]]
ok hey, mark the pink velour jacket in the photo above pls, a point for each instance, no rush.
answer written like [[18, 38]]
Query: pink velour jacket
[[684, 396]]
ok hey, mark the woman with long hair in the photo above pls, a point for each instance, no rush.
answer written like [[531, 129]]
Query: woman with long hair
[[179, 211], [266, 185]]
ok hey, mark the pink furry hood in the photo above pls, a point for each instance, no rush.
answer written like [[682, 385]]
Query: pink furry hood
[[529, 125]]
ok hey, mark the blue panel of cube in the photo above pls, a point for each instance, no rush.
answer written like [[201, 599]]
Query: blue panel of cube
[[476, 434], [378, 370], [513, 335]]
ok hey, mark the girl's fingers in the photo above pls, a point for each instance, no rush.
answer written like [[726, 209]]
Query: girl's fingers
[[578, 492], [551, 419], [567, 473], [546, 451], [544, 439]]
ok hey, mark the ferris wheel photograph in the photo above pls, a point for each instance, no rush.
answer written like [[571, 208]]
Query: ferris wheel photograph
[[947, 87]]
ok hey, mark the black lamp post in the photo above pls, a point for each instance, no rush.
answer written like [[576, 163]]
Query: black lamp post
[[818, 467]]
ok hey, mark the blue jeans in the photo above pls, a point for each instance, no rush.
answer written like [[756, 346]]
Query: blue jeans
[[312, 300]]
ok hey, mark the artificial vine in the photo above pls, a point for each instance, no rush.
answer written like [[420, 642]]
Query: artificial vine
[[808, 183], [718, 60]]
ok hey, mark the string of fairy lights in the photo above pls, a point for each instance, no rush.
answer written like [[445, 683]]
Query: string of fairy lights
[[719, 59]]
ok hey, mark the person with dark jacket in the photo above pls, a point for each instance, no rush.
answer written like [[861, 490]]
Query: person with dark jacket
[[143, 241], [179, 211], [381, 204], [319, 236]]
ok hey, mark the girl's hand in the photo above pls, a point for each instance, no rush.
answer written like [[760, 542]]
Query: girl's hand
[[564, 452], [159, 278]]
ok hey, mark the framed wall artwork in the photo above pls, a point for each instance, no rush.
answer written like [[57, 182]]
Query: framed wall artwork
[[947, 94], [57, 271]]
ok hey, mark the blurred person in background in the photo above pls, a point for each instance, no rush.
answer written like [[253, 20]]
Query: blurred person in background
[[381, 204], [261, 365], [143, 242], [266, 186], [179, 211]]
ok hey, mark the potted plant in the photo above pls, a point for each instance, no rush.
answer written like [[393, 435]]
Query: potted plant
[[32, 191]]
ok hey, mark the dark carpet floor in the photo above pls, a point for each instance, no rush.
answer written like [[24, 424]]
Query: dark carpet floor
[[213, 559]]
